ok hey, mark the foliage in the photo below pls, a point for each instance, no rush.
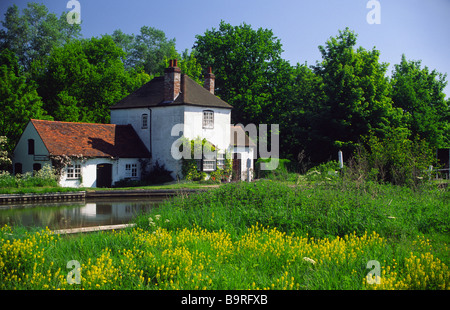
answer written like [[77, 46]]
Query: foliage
[[419, 93], [19, 100], [189, 168], [159, 174], [319, 210], [81, 80], [357, 94], [147, 50], [397, 159], [35, 33], [328, 171], [4, 159], [264, 235], [280, 173], [46, 176], [245, 62]]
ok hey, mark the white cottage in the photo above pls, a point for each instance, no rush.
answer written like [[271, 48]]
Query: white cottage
[[174, 105], [144, 126], [89, 155]]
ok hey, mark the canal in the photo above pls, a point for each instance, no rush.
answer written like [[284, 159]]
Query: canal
[[75, 214]]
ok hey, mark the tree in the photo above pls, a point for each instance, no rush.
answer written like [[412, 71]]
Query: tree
[[419, 93], [245, 62], [148, 49], [357, 95], [82, 79], [19, 100], [300, 115], [32, 35]]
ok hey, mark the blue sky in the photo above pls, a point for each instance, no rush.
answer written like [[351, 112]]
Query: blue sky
[[419, 29]]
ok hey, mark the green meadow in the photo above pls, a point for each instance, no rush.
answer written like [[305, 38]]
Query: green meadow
[[262, 235]]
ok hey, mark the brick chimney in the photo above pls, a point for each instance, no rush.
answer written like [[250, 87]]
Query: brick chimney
[[210, 81], [172, 81]]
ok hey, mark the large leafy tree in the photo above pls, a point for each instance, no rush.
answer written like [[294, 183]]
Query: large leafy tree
[[247, 64], [82, 79], [419, 93], [34, 33], [148, 49], [299, 115], [19, 100], [357, 95]]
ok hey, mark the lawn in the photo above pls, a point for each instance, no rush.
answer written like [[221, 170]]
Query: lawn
[[260, 235]]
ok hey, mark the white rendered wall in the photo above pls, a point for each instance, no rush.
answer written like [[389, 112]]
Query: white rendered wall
[[21, 151], [219, 135], [247, 165], [134, 118], [89, 171]]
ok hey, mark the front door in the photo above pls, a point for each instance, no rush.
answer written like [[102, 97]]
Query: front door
[[104, 175]]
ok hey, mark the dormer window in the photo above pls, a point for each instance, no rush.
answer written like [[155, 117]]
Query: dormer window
[[144, 121], [208, 119]]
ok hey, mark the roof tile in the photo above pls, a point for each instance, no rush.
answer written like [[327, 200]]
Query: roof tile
[[90, 140]]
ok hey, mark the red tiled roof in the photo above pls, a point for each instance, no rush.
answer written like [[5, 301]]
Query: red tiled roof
[[90, 140]]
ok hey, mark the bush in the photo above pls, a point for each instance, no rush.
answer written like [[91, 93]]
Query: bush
[[324, 172], [280, 173], [44, 177], [7, 180], [159, 174], [395, 159]]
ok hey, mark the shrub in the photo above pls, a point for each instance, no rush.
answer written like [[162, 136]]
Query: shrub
[[7, 180], [324, 172], [395, 158], [159, 174], [44, 177], [280, 173]]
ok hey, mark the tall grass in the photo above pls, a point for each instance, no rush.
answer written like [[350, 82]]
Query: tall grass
[[262, 235], [319, 210]]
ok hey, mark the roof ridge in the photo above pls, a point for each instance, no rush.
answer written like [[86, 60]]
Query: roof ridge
[[66, 122]]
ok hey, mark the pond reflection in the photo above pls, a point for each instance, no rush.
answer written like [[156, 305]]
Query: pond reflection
[[75, 214]]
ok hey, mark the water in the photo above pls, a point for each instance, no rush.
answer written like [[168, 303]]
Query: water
[[72, 214]]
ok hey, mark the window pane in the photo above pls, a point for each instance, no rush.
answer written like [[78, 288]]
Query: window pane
[[74, 171], [208, 119], [209, 165], [220, 161], [144, 120]]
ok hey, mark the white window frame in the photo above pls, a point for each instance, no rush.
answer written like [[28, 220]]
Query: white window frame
[[144, 121], [208, 119], [209, 164], [220, 161], [73, 171], [131, 170]]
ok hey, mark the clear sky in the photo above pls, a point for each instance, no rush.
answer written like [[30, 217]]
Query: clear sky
[[417, 28]]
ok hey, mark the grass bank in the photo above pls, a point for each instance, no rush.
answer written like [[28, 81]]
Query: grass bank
[[262, 235]]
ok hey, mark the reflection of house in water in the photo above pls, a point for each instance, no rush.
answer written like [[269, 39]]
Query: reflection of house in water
[[80, 214], [113, 210]]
